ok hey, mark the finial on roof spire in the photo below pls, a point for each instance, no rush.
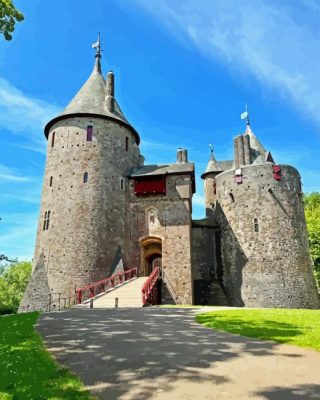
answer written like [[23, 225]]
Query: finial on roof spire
[[245, 115], [211, 152], [97, 46]]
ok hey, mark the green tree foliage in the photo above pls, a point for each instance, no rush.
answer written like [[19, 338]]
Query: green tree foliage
[[8, 17], [4, 258], [312, 211], [13, 282]]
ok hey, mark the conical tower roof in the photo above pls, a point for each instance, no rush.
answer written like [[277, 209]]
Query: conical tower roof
[[212, 165], [258, 152], [91, 101]]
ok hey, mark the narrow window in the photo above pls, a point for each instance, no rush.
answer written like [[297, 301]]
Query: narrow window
[[127, 143], [121, 184], [256, 225], [89, 133], [52, 138], [85, 177], [51, 179], [46, 220]]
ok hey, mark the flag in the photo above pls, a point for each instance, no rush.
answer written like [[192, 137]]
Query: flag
[[96, 44], [244, 115]]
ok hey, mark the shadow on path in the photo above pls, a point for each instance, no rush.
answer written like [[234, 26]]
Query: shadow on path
[[125, 351], [300, 392]]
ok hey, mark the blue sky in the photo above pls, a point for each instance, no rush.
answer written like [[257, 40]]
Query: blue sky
[[184, 70]]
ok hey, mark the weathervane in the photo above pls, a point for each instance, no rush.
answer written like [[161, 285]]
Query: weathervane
[[245, 115], [97, 46]]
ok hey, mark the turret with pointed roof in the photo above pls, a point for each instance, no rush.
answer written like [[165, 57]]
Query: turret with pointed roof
[[83, 217], [92, 100]]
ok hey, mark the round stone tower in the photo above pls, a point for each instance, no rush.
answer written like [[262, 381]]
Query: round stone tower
[[81, 233], [264, 243]]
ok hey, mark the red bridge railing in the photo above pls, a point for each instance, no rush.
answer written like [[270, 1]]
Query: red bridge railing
[[150, 288], [95, 288]]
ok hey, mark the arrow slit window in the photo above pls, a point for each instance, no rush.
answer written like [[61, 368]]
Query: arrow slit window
[[256, 225]]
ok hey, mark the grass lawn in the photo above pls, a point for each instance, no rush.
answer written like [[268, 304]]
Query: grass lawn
[[27, 371], [298, 327]]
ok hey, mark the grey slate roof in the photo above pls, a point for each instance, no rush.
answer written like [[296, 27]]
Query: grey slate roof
[[217, 166], [91, 100], [258, 152], [164, 169]]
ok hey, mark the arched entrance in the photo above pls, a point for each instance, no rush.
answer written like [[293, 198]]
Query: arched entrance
[[151, 254]]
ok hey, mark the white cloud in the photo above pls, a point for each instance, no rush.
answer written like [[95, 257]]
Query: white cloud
[[17, 235], [10, 175], [24, 115], [276, 42], [198, 200]]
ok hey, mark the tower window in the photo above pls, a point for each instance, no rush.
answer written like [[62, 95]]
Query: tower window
[[256, 225], [121, 184], [52, 138], [127, 143], [46, 220], [85, 177], [89, 133], [51, 179]]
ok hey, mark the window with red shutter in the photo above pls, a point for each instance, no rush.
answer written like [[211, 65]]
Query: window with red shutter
[[150, 185]]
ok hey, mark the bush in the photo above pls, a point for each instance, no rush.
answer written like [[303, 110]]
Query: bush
[[13, 282]]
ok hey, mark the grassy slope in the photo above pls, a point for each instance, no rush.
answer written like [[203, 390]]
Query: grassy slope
[[27, 371], [298, 327]]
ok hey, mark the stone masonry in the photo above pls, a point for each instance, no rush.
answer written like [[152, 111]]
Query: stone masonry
[[103, 210]]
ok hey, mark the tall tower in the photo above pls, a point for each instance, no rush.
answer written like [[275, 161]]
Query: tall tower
[[81, 230], [264, 245]]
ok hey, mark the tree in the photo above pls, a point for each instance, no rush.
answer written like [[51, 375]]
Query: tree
[[312, 212], [4, 258], [8, 17], [13, 283]]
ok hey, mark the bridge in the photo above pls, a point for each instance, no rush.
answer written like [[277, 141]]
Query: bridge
[[124, 289]]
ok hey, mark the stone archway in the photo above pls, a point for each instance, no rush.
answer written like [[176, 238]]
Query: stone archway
[[151, 254]]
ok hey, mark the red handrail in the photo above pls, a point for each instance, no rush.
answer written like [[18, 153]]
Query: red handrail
[[102, 285], [149, 289]]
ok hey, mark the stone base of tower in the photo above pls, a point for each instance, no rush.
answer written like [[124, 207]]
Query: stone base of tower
[[37, 293], [300, 292]]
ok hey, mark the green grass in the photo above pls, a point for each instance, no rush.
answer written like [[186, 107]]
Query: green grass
[[297, 327], [27, 371]]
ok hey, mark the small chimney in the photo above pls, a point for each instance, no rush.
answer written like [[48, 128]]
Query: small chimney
[[141, 160], [179, 155], [110, 92], [184, 156]]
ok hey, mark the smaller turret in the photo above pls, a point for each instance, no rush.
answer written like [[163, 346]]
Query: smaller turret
[[249, 150], [209, 176]]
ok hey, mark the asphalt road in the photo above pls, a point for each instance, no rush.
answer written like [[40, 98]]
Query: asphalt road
[[157, 353]]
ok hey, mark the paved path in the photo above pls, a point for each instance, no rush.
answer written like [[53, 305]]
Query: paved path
[[160, 354]]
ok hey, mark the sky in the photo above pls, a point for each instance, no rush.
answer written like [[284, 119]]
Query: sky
[[184, 70]]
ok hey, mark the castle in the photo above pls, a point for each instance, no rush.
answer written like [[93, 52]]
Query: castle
[[103, 210]]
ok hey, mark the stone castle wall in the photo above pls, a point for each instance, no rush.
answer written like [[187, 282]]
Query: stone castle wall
[[266, 261], [207, 270], [172, 224], [87, 224]]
